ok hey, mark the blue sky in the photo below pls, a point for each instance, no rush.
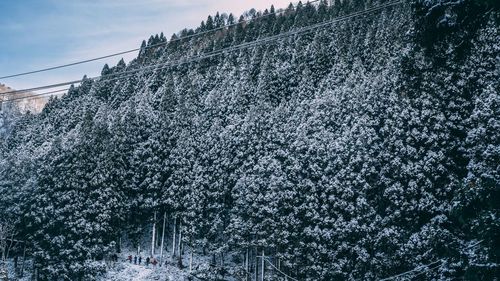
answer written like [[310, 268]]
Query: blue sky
[[42, 33]]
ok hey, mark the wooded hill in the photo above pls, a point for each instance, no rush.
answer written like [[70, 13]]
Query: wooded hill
[[356, 151]]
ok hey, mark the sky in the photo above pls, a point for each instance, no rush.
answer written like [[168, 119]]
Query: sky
[[36, 34]]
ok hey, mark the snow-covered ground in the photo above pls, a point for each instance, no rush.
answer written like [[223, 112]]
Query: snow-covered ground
[[27, 273], [124, 271]]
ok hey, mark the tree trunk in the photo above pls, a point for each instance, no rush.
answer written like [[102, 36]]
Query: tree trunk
[[191, 260], [119, 245], [163, 237], [158, 236], [180, 244], [153, 236], [180, 238], [24, 258], [256, 264], [279, 264], [35, 273], [246, 264], [173, 239], [263, 264]]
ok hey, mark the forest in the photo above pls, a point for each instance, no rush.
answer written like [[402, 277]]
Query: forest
[[357, 150]]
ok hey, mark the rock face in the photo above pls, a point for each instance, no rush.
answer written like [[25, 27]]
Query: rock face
[[34, 105]]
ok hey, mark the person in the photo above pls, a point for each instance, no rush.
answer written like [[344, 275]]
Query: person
[[140, 260], [154, 262], [130, 258], [135, 259], [147, 261], [179, 263]]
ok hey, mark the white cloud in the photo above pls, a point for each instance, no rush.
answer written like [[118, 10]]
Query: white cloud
[[97, 28]]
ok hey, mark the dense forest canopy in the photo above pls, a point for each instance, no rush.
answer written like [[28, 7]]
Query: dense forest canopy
[[357, 151]]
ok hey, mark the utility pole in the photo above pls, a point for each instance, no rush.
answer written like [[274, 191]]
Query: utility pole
[[163, 237], [263, 263], [153, 236], [180, 244], [24, 259], [180, 238], [173, 238], [247, 257], [256, 269]]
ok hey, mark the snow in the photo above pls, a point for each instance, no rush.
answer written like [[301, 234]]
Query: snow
[[355, 167], [27, 273], [124, 271]]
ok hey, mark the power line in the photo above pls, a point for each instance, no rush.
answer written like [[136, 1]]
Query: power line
[[43, 87], [429, 269], [272, 265], [223, 50], [411, 271], [41, 95], [147, 67], [147, 47], [416, 269], [103, 79]]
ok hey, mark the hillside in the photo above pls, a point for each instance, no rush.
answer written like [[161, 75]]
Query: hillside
[[357, 150], [11, 111], [33, 105]]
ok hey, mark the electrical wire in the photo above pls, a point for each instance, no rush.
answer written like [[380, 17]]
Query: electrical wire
[[42, 95], [429, 269], [426, 266], [272, 265], [147, 47], [221, 51], [34, 96]]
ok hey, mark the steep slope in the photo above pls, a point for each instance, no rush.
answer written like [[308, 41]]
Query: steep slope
[[33, 105], [11, 111], [358, 150]]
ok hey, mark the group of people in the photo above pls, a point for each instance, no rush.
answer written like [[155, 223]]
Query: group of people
[[138, 260]]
